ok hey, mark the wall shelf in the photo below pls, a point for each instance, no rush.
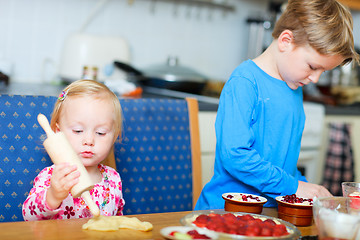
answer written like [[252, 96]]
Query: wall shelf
[[224, 6]]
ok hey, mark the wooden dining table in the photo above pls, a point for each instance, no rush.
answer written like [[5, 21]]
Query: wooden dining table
[[72, 229]]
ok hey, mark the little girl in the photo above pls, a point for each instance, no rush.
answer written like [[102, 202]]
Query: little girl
[[89, 115]]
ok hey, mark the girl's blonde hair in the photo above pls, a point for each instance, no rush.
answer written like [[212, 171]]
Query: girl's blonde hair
[[91, 88], [326, 25]]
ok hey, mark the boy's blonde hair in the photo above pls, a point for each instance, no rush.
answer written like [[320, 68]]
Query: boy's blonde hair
[[326, 25], [91, 88]]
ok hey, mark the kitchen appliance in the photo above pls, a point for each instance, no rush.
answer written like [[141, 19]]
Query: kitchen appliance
[[171, 76], [92, 56]]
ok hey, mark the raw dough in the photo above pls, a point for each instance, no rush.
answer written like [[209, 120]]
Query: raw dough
[[113, 223]]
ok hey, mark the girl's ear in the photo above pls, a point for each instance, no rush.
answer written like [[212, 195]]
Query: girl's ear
[[285, 40], [57, 128]]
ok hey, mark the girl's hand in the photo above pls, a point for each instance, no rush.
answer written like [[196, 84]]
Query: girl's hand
[[63, 178], [310, 190]]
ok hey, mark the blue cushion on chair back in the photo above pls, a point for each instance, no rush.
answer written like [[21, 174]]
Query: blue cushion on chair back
[[22, 155], [154, 156]]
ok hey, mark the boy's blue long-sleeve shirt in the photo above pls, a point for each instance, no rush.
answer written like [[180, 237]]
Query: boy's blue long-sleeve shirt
[[258, 127]]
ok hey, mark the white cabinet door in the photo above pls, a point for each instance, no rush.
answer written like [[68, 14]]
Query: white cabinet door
[[207, 144], [207, 169]]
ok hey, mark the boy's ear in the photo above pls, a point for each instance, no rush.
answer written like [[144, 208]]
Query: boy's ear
[[285, 40]]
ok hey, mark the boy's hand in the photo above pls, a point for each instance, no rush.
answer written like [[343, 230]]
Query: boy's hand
[[63, 178], [310, 190]]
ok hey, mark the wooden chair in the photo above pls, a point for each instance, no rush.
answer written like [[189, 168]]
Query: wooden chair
[[22, 155], [195, 148]]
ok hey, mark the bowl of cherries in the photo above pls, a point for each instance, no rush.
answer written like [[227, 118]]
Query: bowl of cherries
[[242, 202], [296, 210]]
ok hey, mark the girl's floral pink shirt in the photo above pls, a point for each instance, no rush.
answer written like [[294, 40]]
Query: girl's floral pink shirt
[[107, 195]]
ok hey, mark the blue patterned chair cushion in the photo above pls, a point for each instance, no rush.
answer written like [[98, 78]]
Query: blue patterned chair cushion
[[22, 155], [153, 156]]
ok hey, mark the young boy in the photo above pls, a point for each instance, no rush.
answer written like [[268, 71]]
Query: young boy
[[260, 118]]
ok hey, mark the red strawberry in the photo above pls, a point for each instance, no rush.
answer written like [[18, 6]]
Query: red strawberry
[[279, 230], [269, 222], [265, 231], [252, 231]]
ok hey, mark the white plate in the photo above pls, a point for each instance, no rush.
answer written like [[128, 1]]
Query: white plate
[[165, 232]]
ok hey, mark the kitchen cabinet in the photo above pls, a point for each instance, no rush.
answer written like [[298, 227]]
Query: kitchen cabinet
[[311, 141], [207, 143], [352, 4]]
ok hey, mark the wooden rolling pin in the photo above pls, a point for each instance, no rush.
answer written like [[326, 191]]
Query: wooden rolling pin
[[60, 151]]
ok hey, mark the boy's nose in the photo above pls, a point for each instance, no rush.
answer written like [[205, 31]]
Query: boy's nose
[[316, 76]]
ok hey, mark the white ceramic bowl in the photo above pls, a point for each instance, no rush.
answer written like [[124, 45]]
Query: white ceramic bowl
[[234, 202]]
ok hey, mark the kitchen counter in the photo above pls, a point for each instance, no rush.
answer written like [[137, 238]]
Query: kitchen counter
[[31, 89], [349, 110], [205, 103]]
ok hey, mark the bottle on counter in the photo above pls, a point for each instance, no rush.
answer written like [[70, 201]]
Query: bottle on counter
[[94, 73], [85, 73]]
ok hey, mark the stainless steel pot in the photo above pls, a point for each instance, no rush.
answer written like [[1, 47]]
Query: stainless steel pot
[[170, 76]]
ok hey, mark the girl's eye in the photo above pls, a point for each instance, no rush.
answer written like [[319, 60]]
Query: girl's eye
[[101, 133], [77, 131]]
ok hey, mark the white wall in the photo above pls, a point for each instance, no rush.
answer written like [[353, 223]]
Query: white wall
[[211, 41]]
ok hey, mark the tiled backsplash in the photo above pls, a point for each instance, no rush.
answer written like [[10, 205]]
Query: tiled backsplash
[[210, 41]]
